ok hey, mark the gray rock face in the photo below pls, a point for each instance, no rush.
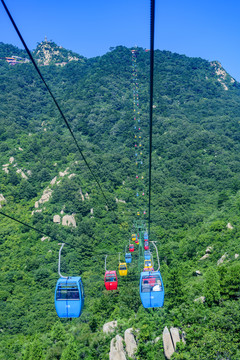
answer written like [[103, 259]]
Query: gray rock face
[[109, 327], [167, 343], [2, 200], [200, 299], [221, 260], [130, 342], [56, 219], [68, 220], [175, 336], [116, 349]]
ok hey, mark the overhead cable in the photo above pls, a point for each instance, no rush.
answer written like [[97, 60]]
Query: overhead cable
[[152, 27]]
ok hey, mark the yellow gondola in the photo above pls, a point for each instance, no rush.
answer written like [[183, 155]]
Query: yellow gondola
[[134, 236], [122, 269]]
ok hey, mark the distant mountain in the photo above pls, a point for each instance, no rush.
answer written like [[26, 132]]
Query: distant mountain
[[49, 53]]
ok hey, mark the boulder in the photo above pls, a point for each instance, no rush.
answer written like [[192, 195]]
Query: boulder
[[208, 250], [200, 299], [2, 200], [175, 336], [57, 219], [44, 238], [109, 327], [236, 256], [71, 176], [63, 173], [198, 273], [68, 220], [45, 196], [229, 226], [82, 196], [130, 342], [167, 343], [221, 260], [24, 176], [53, 181], [204, 257], [116, 349]]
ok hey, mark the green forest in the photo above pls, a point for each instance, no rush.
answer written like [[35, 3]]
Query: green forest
[[194, 215]]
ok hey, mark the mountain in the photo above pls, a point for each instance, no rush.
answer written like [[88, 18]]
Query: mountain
[[49, 53], [45, 183]]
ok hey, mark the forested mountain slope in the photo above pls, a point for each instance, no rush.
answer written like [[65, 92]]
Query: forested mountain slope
[[195, 195]]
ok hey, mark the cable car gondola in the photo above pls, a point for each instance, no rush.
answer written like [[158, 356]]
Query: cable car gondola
[[111, 280], [151, 289], [147, 255], [128, 258], [146, 246], [131, 247], [122, 268], [148, 265], [69, 294], [69, 297]]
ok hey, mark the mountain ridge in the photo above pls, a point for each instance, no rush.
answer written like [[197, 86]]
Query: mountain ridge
[[195, 195]]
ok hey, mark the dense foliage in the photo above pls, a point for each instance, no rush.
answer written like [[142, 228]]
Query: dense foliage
[[195, 194]]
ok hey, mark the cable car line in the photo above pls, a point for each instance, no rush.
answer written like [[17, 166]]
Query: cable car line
[[152, 27], [33, 228], [56, 103]]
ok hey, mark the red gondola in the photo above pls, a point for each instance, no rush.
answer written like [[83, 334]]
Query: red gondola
[[131, 247], [110, 280], [146, 246]]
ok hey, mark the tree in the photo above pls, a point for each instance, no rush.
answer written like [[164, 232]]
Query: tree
[[212, 286]]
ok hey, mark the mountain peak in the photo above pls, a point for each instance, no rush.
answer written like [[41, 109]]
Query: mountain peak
[[49, 53]]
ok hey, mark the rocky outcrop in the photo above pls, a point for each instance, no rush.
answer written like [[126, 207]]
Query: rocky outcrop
[[63, 173], [109, 327], [204, 257], [45, 197], [222, 258], [175, 336], [57, 219], [53, 181], [170, 340], [131, 345], [24, 176], [200, 299], [44, 238], [116, 349], [2, 200], [167, 343], [69, 220], [229, 226], [207, 252]]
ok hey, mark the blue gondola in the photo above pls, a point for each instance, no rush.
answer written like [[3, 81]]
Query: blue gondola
[[69, 297], [151, 289], [128, 258], [147, 255], [145, 236]]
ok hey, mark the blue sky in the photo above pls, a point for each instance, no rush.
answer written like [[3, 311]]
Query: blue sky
[[209, 29]]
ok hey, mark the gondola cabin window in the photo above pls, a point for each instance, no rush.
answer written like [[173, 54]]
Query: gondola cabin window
[[110, 278], [68, 292], [151, 283]]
